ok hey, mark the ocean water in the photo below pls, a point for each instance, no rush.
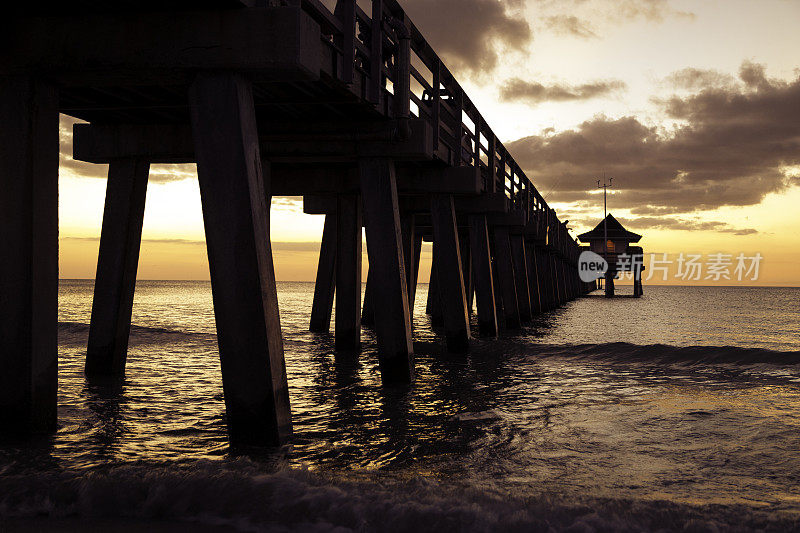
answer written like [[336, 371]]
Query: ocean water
[[678, 411]]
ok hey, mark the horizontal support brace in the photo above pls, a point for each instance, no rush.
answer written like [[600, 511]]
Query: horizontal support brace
[[303, 180], [486, 203], [174, 144]]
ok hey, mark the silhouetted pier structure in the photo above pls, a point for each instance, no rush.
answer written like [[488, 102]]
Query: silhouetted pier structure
[[355, 113]]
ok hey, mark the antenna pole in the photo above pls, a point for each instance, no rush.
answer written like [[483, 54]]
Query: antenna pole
[[605, 186]]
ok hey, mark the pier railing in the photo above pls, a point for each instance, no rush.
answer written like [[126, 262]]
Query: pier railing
[[386, 60]]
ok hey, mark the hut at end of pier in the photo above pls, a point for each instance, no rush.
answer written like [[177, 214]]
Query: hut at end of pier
[[612, 241]]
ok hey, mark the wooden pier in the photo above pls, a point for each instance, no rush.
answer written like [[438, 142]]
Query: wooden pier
[[350, 109]]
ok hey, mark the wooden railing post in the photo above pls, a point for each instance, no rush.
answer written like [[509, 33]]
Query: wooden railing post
[[376, 54], [436, 103], [492, 185], [402, 81], [345, 11], [477, 149]]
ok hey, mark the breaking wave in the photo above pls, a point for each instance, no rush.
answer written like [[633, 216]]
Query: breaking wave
[[663, 354], [77, 332], [245, 496]]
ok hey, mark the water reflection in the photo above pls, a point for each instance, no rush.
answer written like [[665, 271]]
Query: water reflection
[[107, 423], [523, 411]]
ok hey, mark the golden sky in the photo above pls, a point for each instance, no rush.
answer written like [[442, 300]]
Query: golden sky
[[692, 106]]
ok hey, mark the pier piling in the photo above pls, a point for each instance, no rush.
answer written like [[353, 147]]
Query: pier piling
[[29, 263], [325, 286], [520, 265], [505, 274], [482, 273], [449, 276], [117, 264], [388, 269], [348, 272], [233, 190]]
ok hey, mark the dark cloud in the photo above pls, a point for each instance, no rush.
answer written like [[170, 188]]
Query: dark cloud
[[693, 78], [535, 92], [652, 10], [470, 34], [682, 224], [579, 18], [288, 203], [583, 219], [65, 161], [570, 25], [728, 150]]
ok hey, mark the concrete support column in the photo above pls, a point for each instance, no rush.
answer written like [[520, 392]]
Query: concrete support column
[[432, 292], [505, 275], [388, 269], [520, 264], [348, 272], [325, 287], [554, 274], [571, 279], [434, 305], [29, 261], [637, 281], [609, 284], [466, 268], [498, 296], [412, 248], [368, 313], [234, 191], [117, 263], [450, 279], [414, 277], [482, 274], [545, 279], [570, 274], [533, 279]]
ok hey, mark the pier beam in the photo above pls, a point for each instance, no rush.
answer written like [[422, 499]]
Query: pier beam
[[325, 287], [505, 275], [29, 262], [482, 275], [387, 269], [117, 263], [348, 272], [234, 192], [449, 276], [520, 264]]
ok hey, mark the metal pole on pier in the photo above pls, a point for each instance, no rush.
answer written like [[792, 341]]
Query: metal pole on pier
[[609, 275]]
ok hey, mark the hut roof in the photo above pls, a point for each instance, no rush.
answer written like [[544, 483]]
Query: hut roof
[[616, 232]]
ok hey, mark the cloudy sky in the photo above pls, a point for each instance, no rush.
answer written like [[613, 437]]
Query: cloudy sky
[[692, 106]]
